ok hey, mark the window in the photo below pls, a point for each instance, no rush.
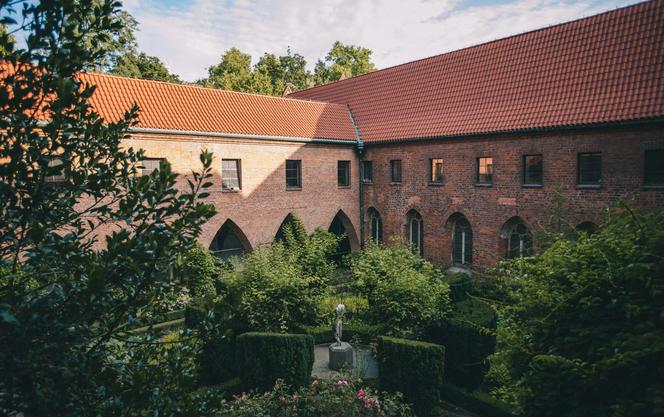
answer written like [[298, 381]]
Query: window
[[230, 175], [395, 170], [343, 173], [416, 229], [485, 171], [532, 170], [654, 167], [293, 173], [55, 173], [376, 226], [436, 171], [589, 168], [366, 171], [148, 166], [519, 241], [462, 242], [227, 242]]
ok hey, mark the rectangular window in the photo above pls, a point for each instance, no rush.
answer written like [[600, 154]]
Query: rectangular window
[[589, 168], [436, 171], [367, 171], [56, 172], [343, 173], [395, 170], [293, 173], [485, 171], [532, 170], [148, 166], [654, 167], [230, 175]]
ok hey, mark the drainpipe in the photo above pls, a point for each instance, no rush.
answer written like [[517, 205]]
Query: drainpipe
[[360, 153]]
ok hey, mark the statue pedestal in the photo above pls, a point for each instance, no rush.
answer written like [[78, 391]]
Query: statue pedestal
[[340, 356]]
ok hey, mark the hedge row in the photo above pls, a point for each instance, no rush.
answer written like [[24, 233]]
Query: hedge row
[[262, 358], [461, 285], [325, 334], [469, 338], [413, 368], [477, 402]]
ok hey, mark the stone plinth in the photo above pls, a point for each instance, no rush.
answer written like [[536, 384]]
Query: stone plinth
[[341, 356]]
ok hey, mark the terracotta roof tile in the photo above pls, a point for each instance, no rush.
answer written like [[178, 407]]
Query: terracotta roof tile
[[605, 68], [185, 107]]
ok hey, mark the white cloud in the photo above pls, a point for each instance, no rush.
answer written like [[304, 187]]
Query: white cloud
[[190, 37]]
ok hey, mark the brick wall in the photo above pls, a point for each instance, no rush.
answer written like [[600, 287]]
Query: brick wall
[[488, 208], [263, 203]]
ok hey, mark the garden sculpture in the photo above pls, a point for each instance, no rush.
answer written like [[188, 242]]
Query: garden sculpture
[[338, 327]]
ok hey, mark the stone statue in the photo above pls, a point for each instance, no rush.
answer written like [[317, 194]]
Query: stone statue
[[338, 327]]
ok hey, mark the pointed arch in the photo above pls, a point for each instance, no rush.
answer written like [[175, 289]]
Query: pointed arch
[[415, 230], [518, 238], [375, 225], [462, 239], [229, 241], [587, 227], [342, 226]]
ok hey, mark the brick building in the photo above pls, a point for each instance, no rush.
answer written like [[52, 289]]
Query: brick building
[[462, 153]]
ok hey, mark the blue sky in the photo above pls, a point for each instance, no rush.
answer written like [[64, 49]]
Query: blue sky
[[191, 35]]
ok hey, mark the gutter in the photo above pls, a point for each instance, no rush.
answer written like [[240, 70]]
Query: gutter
[[360, 152], [629, 123], [135, 129]]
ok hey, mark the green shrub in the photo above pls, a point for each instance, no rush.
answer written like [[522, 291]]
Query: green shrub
[[405, 292], [199, 271], [461, 285], [412, 368], [582, 331], [265, 357], [217, 359], [469, 338], [321, 398], [477, 402]]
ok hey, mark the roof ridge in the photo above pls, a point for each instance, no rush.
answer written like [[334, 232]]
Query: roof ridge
[[569, 22], [217, 90]]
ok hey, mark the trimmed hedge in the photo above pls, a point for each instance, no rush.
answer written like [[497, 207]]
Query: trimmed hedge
[[469, 338], [477, 402], [263, 358], [217, 359], [413, 368], [325, 334]]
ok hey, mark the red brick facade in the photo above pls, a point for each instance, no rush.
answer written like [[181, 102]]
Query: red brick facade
[[489, 208]]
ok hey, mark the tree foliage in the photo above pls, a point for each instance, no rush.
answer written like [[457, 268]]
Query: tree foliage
[[143, 66], [84, 257], [583, 333], [343, 61]]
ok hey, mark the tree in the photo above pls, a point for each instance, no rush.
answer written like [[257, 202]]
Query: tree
[[144, 67], [582, 331], [66, 305], [286, 70], [232, 73], [341, 62]]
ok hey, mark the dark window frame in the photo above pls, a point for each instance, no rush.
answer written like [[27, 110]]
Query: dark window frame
[[436, 180], [525, 181], [396, 176], [651, 171], [60, 178], [376, 226], [343, 170], [580, 171], [417, 220], [298, 174], [238, 168], [367, 179], [489, 174]]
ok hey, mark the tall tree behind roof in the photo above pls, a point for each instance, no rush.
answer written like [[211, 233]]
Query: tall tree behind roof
[[343, 61]]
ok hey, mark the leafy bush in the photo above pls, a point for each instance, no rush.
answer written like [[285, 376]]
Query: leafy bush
[[199, 271], [583, 333], [477, 402], [321, 398], [414, 369], [356, 307], [461, 285], [351, 331], [281, 286], [404, 291], [265, 357], [469, 338]]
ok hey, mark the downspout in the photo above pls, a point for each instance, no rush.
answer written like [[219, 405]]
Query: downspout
[[360, 153]]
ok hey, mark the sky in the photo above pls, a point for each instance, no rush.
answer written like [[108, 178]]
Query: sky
[[191, 35]]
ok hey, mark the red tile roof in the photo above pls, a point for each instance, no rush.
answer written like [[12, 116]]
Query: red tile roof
[[191, 108], [605, 68]]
